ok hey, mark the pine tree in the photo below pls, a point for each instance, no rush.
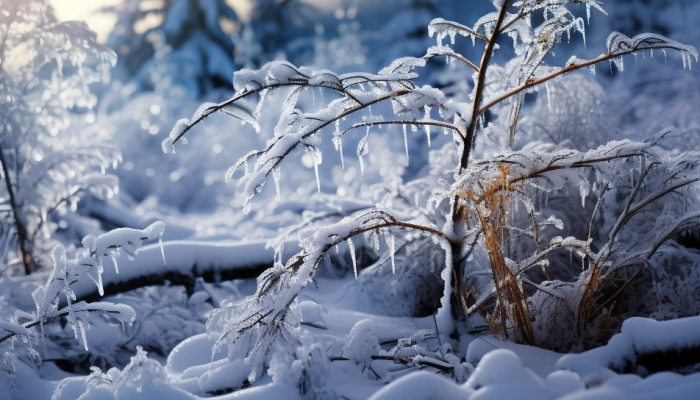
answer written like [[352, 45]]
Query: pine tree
[[187, 46]]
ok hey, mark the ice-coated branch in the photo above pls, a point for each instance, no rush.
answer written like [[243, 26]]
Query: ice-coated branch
[[270, 317], [281, 74], [442, 28], [618, 45], [446, 51], [308, 124], [683, 224], [406, 122], [121, 312], [88, 260], [480, 84]]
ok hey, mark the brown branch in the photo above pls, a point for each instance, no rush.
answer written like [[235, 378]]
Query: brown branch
[[233, 100], [32, 324], [481, 80], [457, 57], [573, 67], [19, 225]]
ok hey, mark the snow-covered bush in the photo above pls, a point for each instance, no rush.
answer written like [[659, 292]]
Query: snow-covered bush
[[484, 204], [46, 67], [55, 299]]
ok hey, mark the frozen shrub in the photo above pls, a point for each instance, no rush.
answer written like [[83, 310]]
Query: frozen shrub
[[56, 299], [484, 204], [46, 69]]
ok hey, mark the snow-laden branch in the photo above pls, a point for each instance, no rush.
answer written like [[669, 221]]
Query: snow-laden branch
[[70, 265]]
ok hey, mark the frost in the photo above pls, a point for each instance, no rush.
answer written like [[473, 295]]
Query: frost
[[242, 112], [89, 261], [361, 344], [178, 130], [441, 28], [552, 220], [618, 43]]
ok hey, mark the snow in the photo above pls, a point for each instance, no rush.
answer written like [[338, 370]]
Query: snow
[[639, 336], [379, 319]]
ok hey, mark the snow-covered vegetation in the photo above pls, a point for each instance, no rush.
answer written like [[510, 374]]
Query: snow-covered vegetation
[[486, 207]]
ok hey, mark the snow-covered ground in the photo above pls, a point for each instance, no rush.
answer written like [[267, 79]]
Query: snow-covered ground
[[333, 312]]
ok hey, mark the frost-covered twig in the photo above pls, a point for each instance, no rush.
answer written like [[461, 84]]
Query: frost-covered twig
[[72, 265], [121, 312]]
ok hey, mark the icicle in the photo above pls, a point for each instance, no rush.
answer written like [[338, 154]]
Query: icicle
[[352, 255], [338, 142], [375, 240], [549, 89], [665, 60], [114, 260], [592, 68], [276, 177], [363, 149], [426, 117], [585, 190], [83, 335], [318, 180], [160, 244], [258, 108], [588, 13], [390, 242], [337, 249], [339, 147], [405, 141]]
